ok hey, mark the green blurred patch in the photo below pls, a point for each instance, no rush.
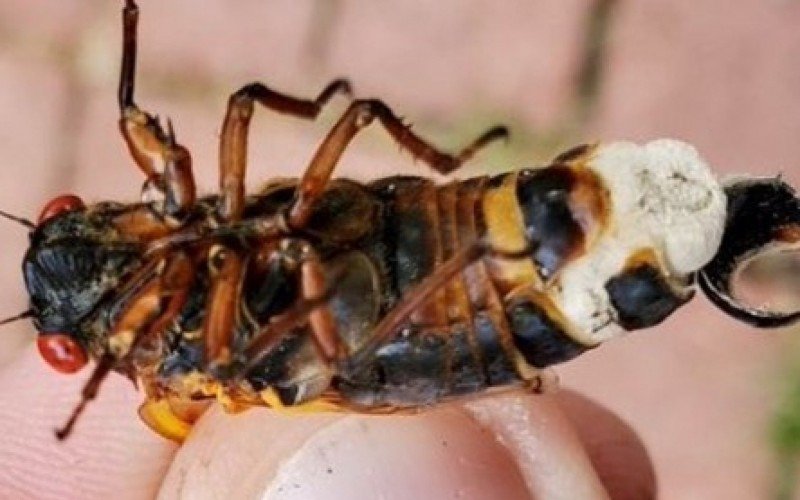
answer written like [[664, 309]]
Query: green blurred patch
[[785, 429]]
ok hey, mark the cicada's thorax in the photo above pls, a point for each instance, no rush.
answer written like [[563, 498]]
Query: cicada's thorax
[[615, 234]]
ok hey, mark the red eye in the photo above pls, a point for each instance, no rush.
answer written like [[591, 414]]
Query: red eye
[[61, 352], [59, 205]]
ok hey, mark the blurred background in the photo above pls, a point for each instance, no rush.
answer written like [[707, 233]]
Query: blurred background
[[718, 404]]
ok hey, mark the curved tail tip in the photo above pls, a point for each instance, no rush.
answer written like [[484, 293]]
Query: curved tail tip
[[763, 216]]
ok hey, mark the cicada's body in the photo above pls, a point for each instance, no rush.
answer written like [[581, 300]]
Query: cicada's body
[[372, 297], [493, 323]]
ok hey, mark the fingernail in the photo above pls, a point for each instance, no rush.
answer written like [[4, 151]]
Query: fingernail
[[534, 430]]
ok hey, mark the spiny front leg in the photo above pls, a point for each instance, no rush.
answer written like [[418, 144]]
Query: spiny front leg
[[170, 186], [235, 129], [360, 114], [152, 298]]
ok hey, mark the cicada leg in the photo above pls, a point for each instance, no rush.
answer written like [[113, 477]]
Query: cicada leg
[[320, 320], [90, 389], [360, 114], [226, 267], [544, 381], [235, 129], [227, 271], [311, 308], [156, 299], [170, 186], [392, 323], [412, 299], [155, 302], [225, 286], [271, 335]]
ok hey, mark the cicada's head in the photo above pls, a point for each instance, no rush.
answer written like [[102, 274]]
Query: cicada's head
[[74, 261]]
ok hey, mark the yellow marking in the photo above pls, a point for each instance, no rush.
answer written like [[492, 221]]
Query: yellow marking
[[644, 256], [188, 410], [232, 403], [585, 158], [505, 228], [158, 415], [318, 405], [119, 343]]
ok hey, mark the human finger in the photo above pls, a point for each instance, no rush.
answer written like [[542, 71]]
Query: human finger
[[513, 446], [110, 453], [617, 453]]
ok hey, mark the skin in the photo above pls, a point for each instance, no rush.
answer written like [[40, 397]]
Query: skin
[[511, 445]]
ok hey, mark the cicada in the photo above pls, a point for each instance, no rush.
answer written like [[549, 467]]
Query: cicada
[[325, 293]]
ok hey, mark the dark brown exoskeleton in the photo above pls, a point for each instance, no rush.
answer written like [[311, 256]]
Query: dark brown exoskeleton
[[373, 297]]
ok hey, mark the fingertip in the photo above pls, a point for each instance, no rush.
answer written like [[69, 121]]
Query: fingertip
[[441, 453], [109, 452], [505, 446], [616, 451], [234, 456], [543, 443]]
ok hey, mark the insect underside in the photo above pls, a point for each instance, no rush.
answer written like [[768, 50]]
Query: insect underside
[[320, 293]]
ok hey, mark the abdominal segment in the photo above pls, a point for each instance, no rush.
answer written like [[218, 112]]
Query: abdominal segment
[[572, 262]]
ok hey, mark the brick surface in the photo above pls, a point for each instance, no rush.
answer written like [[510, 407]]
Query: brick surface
[[725, 78], [700, 389]]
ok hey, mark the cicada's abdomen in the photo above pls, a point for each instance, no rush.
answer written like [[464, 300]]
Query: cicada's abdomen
[[618, 231], [763, 217], [615, 234], [457, 342]]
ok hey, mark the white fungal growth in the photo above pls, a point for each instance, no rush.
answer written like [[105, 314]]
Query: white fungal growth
[[663, 197], [666, 190]]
